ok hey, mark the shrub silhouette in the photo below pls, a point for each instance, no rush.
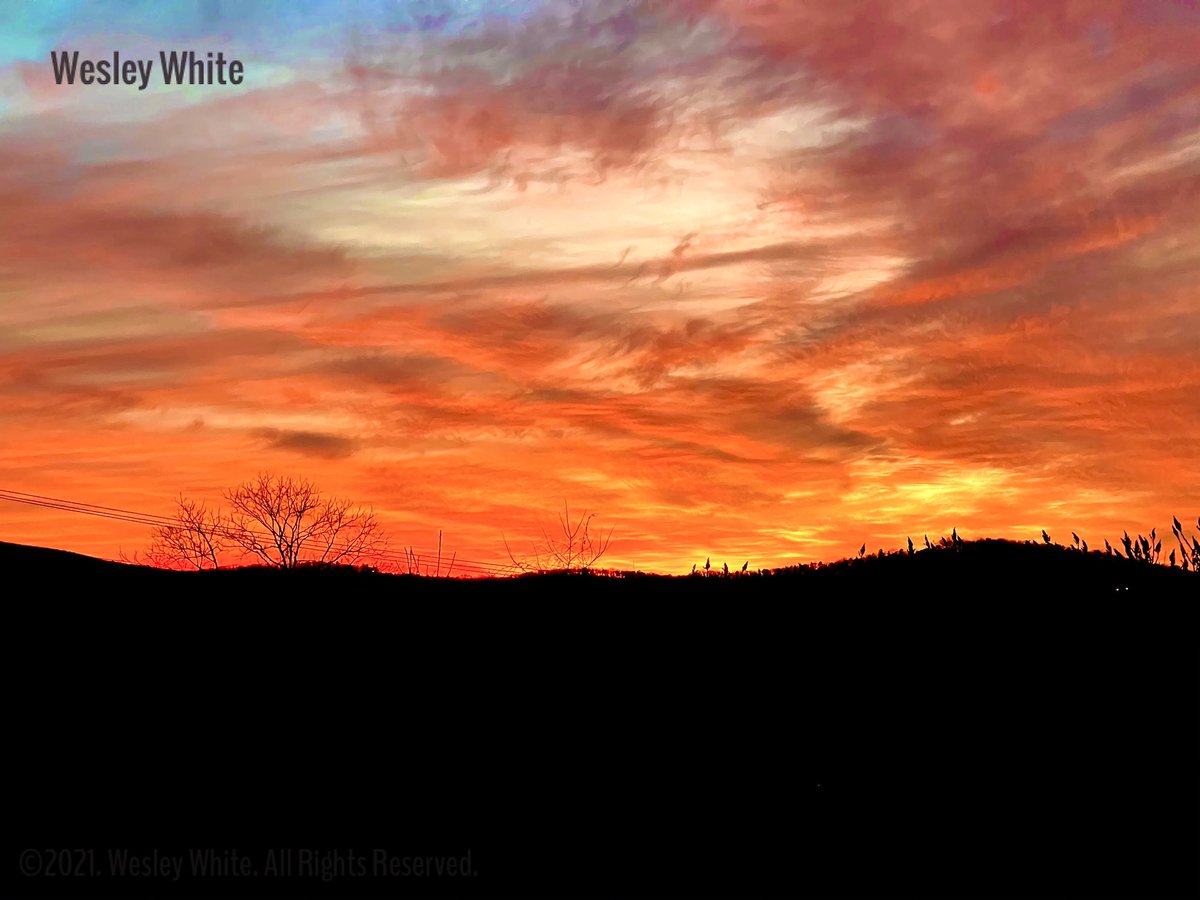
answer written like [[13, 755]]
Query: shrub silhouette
[[573, 548]]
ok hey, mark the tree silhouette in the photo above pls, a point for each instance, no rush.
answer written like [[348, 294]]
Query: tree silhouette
[[572, 548], [196, 538], [286, 521]]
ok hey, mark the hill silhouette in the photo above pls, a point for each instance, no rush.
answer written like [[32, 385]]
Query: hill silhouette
[[996, 719], [966, 570], [46, 563]]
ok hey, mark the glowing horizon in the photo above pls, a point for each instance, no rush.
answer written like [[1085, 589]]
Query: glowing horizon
[[751, 281]]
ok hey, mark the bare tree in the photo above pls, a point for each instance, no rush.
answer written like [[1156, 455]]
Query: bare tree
[[574, 547], [196, 538], [285, 521]]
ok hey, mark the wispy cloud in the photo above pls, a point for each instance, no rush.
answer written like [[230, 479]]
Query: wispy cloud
[[762, 279]]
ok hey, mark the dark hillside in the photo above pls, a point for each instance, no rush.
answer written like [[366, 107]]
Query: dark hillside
[[994, 720], [1004, 570], [42, 563]]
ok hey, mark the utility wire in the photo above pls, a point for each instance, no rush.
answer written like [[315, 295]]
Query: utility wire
[[153, 520]]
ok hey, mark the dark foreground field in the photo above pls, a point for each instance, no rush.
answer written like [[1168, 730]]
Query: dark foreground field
[[1000, 720]]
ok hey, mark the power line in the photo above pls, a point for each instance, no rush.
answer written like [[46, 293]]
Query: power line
[[153, 520], [67, 508], [80, 503]]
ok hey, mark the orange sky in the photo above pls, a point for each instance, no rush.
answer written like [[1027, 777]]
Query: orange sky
[[751, 280]]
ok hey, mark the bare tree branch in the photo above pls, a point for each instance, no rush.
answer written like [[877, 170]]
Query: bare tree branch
[[195, 540], [574, 548], [285, 521]]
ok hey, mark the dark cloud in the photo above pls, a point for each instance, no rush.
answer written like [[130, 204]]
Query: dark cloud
[[309, 443]]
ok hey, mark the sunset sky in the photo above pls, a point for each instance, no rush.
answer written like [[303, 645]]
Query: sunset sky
[[761, 281]]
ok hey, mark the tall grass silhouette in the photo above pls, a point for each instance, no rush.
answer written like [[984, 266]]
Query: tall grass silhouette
[[1147, 549]]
